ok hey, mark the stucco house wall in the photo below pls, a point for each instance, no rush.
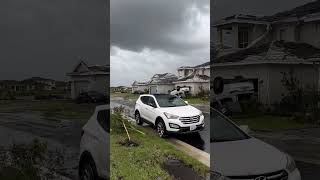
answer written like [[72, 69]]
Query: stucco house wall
[[310, 33]]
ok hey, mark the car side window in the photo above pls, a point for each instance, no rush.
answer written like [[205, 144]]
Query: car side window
[[152, 101], [144, 99], [103, 119]]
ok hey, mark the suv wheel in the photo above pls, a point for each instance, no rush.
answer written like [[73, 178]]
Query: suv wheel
[[161, 129], [138, 118], [88, 171]]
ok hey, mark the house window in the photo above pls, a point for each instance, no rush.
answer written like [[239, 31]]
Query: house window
[[283, 34], [317, 27], [243, 37]]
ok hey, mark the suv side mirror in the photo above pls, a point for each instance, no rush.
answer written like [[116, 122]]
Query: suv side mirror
[[245, 128], [186, 102]]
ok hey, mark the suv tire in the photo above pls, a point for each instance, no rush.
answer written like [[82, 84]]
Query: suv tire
[[138, 118], [88, 170], [161, 128]]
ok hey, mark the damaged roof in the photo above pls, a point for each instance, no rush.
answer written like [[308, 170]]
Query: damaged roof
[[241, 18], [198, 66], [298, 12], [136, 83], [194, 77], [306, 12], [279, 51], [165, 78]]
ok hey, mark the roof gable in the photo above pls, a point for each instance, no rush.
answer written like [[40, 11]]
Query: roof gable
[[81, 67]]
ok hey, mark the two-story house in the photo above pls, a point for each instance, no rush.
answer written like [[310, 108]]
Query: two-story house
[[84, 78], [140, 87], [261, 49], [162, 83], [196, 78]]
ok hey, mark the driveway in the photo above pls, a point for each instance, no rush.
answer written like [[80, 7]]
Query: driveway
[[303, 145], [200, 141], [59, 134]]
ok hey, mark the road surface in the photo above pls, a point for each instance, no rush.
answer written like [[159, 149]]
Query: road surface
[[64, 135], [303, 145]]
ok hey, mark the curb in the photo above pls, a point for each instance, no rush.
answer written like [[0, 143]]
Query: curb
[[196, 153]]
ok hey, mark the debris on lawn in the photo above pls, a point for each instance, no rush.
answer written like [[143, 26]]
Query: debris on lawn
[[30, 161], [128, 143]]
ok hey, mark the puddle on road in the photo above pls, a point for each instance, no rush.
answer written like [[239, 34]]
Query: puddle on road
[[179, 170], [194, 140]]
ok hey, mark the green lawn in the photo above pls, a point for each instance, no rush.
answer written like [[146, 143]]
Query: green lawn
[[64, 109], [270, 123], [126, 96], [197, 100], [145, 161]]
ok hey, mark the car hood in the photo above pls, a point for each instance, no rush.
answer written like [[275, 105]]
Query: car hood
[[246, 157], [181, 111]]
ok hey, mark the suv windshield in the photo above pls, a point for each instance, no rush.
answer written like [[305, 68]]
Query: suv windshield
[[221, 129], [169, 101]]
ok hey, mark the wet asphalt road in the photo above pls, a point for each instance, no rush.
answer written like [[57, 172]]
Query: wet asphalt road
[[63, 135], [302, 145], [199, 140]]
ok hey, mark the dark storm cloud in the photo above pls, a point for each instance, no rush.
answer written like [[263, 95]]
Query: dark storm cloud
[[157, 36], [152, 23], [45, 37]]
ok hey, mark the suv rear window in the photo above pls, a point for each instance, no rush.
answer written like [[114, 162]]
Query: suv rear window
[[103, 119]]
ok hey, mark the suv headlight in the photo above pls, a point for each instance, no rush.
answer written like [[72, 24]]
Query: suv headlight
[[201, 114], [291, 165], [217, 176], [171, 116]]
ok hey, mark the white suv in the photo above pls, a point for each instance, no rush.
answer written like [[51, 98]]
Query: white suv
[[169, 114], [94, 151]]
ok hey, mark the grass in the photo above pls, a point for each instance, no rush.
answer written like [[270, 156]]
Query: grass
[[271, 123], [64, 109], [197, 100], [126, 96], [145, 161]]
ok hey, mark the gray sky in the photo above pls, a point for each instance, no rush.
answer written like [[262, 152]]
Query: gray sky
[[152, 36], [45, 37], [223, 8]]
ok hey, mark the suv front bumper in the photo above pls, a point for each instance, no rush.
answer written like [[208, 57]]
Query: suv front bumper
[[184, 128]]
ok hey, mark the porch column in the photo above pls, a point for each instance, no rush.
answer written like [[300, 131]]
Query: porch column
[[235, 31]]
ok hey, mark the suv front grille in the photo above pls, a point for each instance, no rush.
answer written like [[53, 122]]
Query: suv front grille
[[190, 120], [278, 175]]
